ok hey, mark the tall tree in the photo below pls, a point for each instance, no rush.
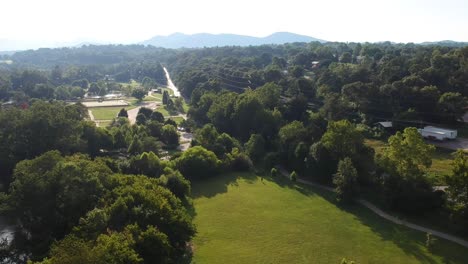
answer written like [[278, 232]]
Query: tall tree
[[346, 181]]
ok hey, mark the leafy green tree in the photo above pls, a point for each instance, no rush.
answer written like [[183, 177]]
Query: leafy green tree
[[345, 179], [255, 147], [136, 146], [268, 94], [346, 57], [170, 136], [176, 183], [165, 98], [50, 193], [237, 161], [457, 188], [179, 104], [407, 154], [293, 176], [297, 71], [139, 94], [430, 241], [122, 113], [171, 122], [148, 163], [274, 172], [452, 106], [197, 162], [157, 116], [141, 119], [342, 139], [404, 162], [146, 112]]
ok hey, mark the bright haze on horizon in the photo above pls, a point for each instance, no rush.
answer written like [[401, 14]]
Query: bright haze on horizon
[[100, 21]]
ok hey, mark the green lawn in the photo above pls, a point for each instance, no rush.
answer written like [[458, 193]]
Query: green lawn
[[177, 119], [441, 161], [107, 113], [242, 219]]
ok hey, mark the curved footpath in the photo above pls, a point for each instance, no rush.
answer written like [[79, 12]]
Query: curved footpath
[[389, 217]]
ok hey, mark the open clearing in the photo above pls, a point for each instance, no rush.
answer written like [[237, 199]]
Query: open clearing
[[107, 113], [441, 161], [243, 219], [108, 103]]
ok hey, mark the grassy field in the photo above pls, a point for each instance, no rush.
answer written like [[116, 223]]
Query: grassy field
[[243, 219], [107, 113], [177, 119], [441, 161]]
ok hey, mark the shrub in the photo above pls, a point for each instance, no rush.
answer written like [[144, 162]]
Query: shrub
[[430, 241], [238, 161], [274, 172], [293, 176]]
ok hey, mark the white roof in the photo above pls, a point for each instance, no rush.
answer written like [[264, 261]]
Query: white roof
[[386, 124], [437, 129]]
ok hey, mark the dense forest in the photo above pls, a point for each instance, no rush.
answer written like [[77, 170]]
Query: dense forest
[[87, 194]]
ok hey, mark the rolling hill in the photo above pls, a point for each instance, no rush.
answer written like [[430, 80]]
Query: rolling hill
[[179, 40]]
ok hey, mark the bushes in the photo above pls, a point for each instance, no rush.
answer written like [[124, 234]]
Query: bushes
[[274, 172], [197, 162], [293, 176], [237, 161]]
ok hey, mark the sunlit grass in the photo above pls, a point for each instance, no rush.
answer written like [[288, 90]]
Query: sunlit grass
[[107, 113], [441, 161], [242, 218]]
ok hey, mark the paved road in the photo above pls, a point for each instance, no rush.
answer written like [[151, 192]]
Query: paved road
[[459, 143], [387, 216], [170, 84]]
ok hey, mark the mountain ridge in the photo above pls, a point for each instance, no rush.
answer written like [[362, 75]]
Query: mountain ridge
[[200, 40]]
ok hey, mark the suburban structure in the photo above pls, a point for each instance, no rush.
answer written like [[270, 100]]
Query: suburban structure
[[438, 133]]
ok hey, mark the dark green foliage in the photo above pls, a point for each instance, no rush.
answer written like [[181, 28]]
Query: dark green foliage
[[170, 122], [293, 176], [430, 241], [27, 133], [274, 172], [139, 93], [122, 113], [146, 112], [157, 116], [457, 189], [97, 216], [237, 161], [177, 184], [148, 164], [165, 98], [345, 179], [170, 136], [255, 147], [141, 119]]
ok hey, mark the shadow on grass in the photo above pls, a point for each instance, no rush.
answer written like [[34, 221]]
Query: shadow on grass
[[219, 184], [410, 241]]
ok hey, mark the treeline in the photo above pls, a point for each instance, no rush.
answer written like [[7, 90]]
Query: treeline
[[304, 107], [368, 82], [310, 107], [81, 193], [69, 73]]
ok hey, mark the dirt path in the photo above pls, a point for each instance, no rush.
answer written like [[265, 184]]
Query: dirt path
[[91, 116], [385, 215]]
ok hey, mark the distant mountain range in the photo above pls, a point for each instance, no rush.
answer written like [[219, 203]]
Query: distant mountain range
[[445, 43], [179, 40]]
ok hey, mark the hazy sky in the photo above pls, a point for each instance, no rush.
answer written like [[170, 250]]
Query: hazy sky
[[128, 21]]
